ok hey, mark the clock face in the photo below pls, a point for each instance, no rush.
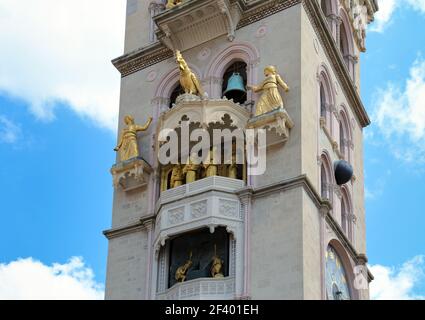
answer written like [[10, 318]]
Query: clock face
[[336, 279]]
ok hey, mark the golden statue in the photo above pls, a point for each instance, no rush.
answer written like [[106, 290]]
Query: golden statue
[[191, 169], [172, 3], [181, 272], [211, 169], [188, 79], [270, 98], [233, 168], [217, 265], [127, 147], [176, 176]]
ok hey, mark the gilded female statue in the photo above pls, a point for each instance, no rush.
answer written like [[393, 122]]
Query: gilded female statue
[[191, 169], [210, 165], [233, 168], [270, 98], [177, 176], [127, 146]]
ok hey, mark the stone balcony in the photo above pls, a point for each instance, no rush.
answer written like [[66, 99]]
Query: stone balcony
[[210, 202], [201, 289]]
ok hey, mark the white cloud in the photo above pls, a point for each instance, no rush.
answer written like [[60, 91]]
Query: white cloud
[[384, 15], [388, 7], [9, 131], [59, 51], [28, 279], [399, 113], [398, 283]]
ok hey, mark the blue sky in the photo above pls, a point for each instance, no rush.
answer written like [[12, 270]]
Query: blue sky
[[58, 105]]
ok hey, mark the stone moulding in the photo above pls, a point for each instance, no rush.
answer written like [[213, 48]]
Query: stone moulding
[[277, 119], [197, 21], [204, 112], [130, 175]]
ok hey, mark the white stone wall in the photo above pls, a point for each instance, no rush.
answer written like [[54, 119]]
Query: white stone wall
[[127, 267], [277, 246]]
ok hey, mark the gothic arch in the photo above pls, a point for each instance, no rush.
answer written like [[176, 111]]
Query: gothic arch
[[325, 87], [345, 133], [241, 51], [347, 264], [347, 213], [330, 11], [346, 42], [326, 176]]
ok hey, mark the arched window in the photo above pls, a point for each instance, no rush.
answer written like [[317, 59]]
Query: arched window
[[155, 7], [234, 89], [329, 9], [326, 7], [346, 214], [326, 178], [343, 43], [342, 139], [345, 135], [325, 97], [346, 43], [323, 107], [178, 90], [324, 183]]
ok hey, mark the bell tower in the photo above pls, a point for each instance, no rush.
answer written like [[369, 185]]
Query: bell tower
[[283, 77]]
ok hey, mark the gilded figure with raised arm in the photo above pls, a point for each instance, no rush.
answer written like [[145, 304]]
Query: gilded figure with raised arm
[[127, 147], [270, 98]]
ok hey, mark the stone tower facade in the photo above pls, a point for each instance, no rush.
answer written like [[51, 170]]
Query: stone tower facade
[[290, 233]]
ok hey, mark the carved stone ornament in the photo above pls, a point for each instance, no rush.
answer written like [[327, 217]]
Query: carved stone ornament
[[195, 22], [131, 174], [277, 119]]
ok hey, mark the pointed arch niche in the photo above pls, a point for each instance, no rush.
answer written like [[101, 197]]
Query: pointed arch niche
[[236, 52], [326, 97]]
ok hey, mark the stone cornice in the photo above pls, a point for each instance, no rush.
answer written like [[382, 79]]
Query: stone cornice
[[334, 55], [147, 56], [142, 58], [258, 10], [129, 229]]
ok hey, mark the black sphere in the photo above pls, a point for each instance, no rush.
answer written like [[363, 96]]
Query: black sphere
[[343, 172]]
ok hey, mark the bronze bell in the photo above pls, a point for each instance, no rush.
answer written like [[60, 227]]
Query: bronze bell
[[235, 88]]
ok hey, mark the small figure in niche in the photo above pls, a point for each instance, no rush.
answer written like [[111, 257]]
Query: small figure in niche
[[217, 265], [181, 272]]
